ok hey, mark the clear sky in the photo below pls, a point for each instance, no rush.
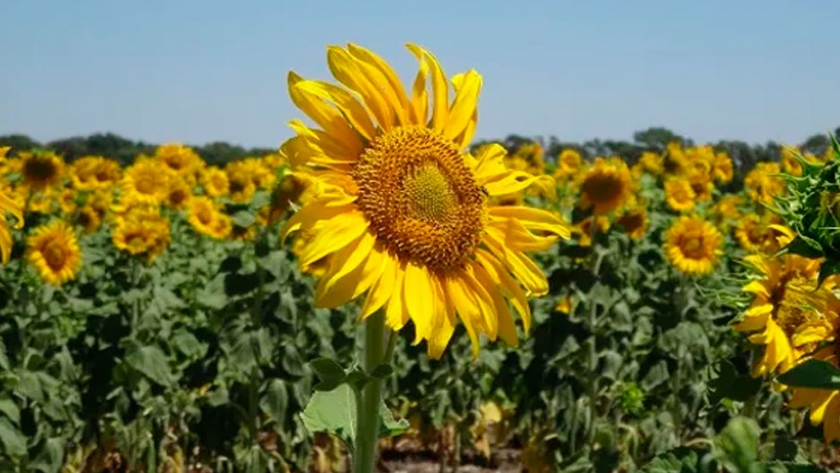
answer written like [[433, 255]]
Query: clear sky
[[201, 70]]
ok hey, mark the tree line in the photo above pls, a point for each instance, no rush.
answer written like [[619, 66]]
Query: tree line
[[744, 155]]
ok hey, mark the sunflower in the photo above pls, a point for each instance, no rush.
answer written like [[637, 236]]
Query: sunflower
[[605, 186], [789, 162], [675, 162], [763, 183], [692, 245], [206, 219], [178, 193], [241, 184], [727, 209], [724, 171], [41, 169], [569, 164], [651, 163], [402, 210], [88, 218], [214, 181], [146, 182], [759, 233], [587, 228], [786, 297], [8, 205], [67, 201], [182, 160], [824, 404], [54, 252], [634, 222], [142, 231], [679, 195]]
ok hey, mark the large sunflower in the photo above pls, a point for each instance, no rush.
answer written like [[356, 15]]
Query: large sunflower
[[206, 219], [54, 252], [692, 245], [402, 211], [7, 205], [146, 182], [824, 404], [786, 297]]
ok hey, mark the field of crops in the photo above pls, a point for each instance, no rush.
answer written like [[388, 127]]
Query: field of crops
[[176, 316]]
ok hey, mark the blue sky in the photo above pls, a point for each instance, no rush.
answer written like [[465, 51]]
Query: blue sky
[[198, 70]]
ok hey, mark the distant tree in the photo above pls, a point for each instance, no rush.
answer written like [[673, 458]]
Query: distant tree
[[815, 144], [657, 138], [19, 142]]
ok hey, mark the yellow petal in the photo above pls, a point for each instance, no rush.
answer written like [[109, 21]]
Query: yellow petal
[[381, 290], [394, 88], [342, 230], [396, 314], [312, 214], [328, 118], [344, 101], [349, 261], [465, 104], [525, 270], [419, 297], [509, 287], [466, 307], [349, 72], [440, 89], [445, 322], [533, 219]]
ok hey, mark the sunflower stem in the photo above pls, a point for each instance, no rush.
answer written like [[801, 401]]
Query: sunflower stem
[[370, 397]]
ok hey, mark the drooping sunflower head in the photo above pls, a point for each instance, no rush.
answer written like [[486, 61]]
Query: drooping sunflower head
[[53, 251], [679, 195], [634, 222], [88, 218], [605, 186], [693, 245], [401, 211], [41, 169]]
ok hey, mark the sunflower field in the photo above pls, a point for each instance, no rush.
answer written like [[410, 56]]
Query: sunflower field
[[172, 315]]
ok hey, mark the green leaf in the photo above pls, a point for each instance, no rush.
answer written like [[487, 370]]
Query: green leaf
[[738, 444], [243, 219], [382, 371], [151, 361], [727, 383], [275, 401], [12, 439], [804, 246], [334, 412], [10, 410], [187, 343], [812, 374], [388, 426], [828, 268], [329, 372], [50, 456], [678, 460]]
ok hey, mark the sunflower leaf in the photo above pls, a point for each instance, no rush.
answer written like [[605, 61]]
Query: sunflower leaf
[[812, 374]]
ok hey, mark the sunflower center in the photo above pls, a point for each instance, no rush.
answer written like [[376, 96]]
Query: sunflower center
[[54, 255], [420, 197], [603, 188], [40, 169], [693, 248]]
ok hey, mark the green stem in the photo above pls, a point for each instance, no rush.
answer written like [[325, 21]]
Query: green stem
[[368, 400]]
